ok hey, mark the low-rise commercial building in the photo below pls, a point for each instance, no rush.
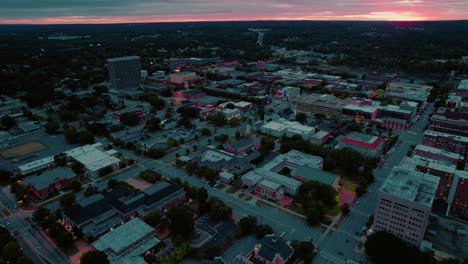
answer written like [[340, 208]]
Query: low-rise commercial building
[[36, 165], [404, 204], [408, 91], [283, 127], [276, 178], [325, 104], [367, 145], [437, 153], [128, 242], [96, 215], [462, 89], [49, 181], [452, 143], [220, 160], [183, 79], [242, 146], [451, 122], [93, 158], [271, 249]]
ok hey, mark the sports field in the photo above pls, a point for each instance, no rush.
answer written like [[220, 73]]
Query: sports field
[[22, 150]]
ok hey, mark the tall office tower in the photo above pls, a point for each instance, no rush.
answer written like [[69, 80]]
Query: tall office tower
[[404, 204], [124, 72]]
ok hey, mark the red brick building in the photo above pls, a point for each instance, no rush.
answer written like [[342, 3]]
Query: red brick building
[[452, 143], [449, 121], [458, 197]]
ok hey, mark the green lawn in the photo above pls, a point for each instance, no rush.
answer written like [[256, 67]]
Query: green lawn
[[231, 190], [248, 198], [349, 186], [262, 203], [221, 187]]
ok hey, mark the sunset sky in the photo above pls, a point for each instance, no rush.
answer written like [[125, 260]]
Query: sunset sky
[[123, 11]]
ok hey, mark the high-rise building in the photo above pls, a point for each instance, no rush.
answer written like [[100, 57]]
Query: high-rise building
[[404, 204], [124, 72]]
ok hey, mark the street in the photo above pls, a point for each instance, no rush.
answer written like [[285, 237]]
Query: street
[[33, 241]]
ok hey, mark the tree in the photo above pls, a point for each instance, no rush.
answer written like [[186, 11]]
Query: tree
[[60, 159], [150, 176], [153, 219], [185, 122], [78, 168], [67, 200], [64, 239], [24, 260], [218, 210], [217, 118], [188, 112], [40, 215], [85, 137], [76, 185], [247, 225], [181, 222], [11, 251], [130, 119], [89, 191], [98, 129], [304, 250], [93, 257], [4, 176], [301, 118], [52, 127], [153, 124], [263, 230], [202, 195], [319, 116], [380, 247], [205, 131], [345, 209], [8, 122], [213, 251], [71, 136], [155, 153], [106, 171]]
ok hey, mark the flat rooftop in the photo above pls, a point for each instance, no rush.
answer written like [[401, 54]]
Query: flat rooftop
[[292, 159], [123, 58], [43, 180], [446, 235], [434, 164], [123, 236], [91, 157], [411, 185], [362, 140], [445, 135], [36, 164], [437, 151], [463, 85]]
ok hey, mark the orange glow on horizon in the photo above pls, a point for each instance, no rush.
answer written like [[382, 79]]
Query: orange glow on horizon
[[371, 16]]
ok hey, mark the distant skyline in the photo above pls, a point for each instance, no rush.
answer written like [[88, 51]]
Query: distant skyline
[[133, 11]]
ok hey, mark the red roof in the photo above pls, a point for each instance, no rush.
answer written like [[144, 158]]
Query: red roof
[[371, 145]]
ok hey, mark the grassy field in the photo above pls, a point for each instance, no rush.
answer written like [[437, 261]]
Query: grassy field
[[22, 150], [231, 190]]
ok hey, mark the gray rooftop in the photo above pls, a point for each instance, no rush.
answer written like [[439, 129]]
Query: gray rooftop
[[315, 174], [411, 185], [123, 236], [44, 179]]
